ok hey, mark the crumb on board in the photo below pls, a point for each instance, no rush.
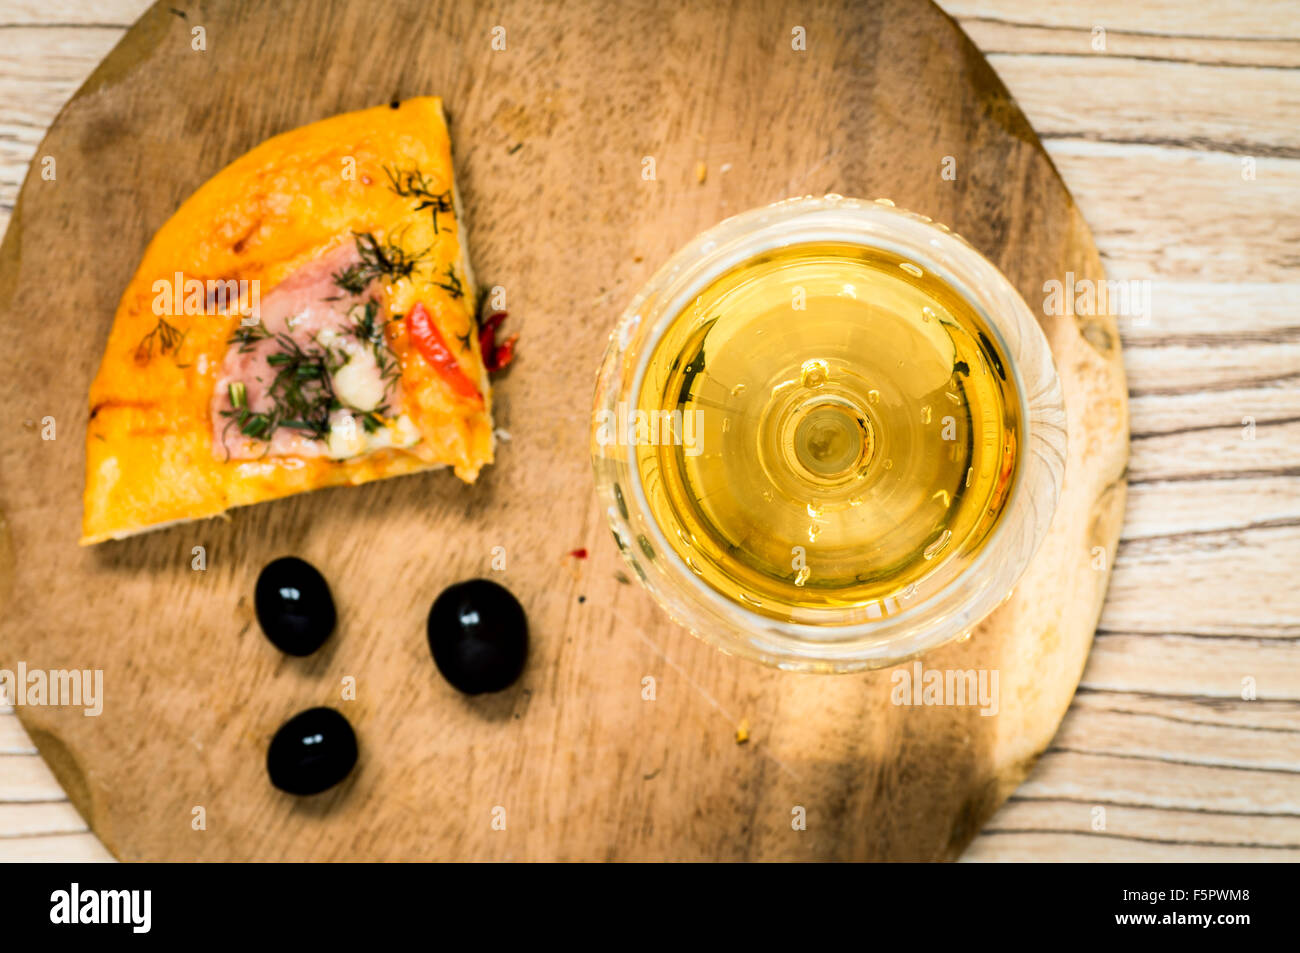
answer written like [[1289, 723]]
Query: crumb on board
[[726, 167], [701, 172], [578, 553], [623, 578], [742, 731]]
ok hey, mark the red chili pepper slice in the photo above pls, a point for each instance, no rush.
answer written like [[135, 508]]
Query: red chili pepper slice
[[428, 341], [496, 355]]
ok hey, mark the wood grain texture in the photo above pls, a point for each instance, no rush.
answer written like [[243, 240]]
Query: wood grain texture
[[1221, 345], [583, 765]]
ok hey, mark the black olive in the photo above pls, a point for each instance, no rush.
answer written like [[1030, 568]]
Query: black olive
[[294, 606], [478, 635], [313, 751]]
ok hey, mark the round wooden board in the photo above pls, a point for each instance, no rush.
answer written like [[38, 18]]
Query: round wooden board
[[549, 137]]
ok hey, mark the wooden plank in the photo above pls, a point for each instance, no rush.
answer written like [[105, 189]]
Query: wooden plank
[[1228, 582], [1249, 413], [1216, 314], [1212, 665], [1109, 100], [67, 15], [1199, 339], [1153, 825], [25, 777], [1239, 377], [39, 70], [1222, 451], [1215, 18], [38, 818], [1185, 507], [1169, 213], [1154, 735], [81, 848], [13, 739], [997, 38], [1262, 714], [1227, 732], [1053, 845], [1103, 778]]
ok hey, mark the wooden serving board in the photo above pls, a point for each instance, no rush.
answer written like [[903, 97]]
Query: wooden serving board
[[549, 137]]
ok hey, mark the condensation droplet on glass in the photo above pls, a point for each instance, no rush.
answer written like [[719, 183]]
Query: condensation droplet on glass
[[937, 546], [952, 397], [813, 373], [888, 464], [813, 532], [737, 390], [912, 269], [927, 314], [873, 395], [926, 414], [802, 576]]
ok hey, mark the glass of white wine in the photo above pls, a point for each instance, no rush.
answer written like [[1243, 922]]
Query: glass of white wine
[[828, 435]]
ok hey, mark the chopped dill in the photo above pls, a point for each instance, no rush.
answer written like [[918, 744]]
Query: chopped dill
[[452, 285], [368, 329], [246, 336], [302, 393], [414, 184], [378, 260], [164, 337]]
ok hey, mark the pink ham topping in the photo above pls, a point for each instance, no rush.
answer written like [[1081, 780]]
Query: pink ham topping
[[309, 361]]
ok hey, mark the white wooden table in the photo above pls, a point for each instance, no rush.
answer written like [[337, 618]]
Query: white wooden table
[[1181, 142]]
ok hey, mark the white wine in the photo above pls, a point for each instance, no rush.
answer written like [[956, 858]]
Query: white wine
[[856, 429], [828, 435]]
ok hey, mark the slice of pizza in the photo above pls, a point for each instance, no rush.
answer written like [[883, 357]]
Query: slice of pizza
[[305, 319]]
